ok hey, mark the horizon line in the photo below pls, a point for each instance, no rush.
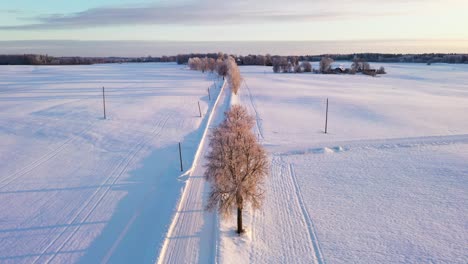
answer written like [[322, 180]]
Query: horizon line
[[208, 41]]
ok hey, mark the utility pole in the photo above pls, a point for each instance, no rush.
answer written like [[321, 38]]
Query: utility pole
[[104, 102], [326, 118], [199, 109], [180, 157]]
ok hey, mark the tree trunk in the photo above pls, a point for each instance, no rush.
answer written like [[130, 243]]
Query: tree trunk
[[239, 221]]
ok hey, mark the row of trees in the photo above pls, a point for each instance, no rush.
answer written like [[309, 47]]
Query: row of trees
[[234, 76], [359, 65], [237, 164], [268, 59], [202, 64], [283, 65], [35, 59], [184, 58], [225, 66]]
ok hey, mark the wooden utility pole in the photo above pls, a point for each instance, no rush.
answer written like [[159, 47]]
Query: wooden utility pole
[[180, 157], [326, 118], [104, 102], [199, 109]]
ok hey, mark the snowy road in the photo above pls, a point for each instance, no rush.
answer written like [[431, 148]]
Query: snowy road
[[192, 236]]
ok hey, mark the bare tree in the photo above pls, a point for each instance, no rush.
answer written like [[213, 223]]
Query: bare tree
[[237, 166]]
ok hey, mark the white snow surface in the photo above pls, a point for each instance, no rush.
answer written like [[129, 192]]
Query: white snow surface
[[387, 184], [77, 188]]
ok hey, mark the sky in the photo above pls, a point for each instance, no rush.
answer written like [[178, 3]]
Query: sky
[[401, 25]]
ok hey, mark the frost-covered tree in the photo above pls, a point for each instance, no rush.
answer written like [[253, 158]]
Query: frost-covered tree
[[234, 76], [237, 166], [298, 68], [325, 64], [285, 65], [194, 64], [306, 66], [221, 68], [381, 70], [204, 64], [211, 64], [359, 65], [281, 64]]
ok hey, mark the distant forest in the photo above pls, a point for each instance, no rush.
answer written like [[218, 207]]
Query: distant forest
[[267, 60], [34, 59]]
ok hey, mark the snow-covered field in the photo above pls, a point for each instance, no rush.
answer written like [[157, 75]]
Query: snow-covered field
[[75, 187], [387, 184]]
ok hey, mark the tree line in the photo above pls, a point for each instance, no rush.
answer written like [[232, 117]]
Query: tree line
[[223, 65], [37, 59], [266, 60], [359, 65]]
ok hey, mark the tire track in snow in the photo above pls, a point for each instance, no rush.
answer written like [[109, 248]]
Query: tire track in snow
[[392, 143], [252, 235], [49, 155], [254, 107], [192, 197], [310, 224], [43, 159], [126, 163], [265, 223], [121, 167]]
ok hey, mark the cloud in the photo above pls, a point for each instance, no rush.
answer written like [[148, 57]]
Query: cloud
[[159, 48], [10, 11], [204, 12]]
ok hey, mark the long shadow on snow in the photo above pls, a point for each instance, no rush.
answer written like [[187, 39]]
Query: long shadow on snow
[[136, 234]]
